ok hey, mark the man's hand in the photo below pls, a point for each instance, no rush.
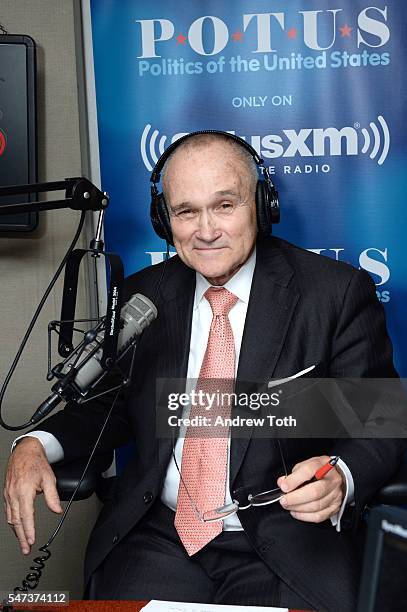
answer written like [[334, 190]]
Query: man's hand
[[28, 473], [317, 501]]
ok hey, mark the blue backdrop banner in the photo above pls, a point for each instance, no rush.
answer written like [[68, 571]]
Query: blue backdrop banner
[[319, 93]]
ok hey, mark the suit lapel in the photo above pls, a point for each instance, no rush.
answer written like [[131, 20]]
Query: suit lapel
[[177, 298], [271, 306]]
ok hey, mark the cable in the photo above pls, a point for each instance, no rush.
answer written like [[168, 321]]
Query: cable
[[58, 527], [33, 322], [32, 579]]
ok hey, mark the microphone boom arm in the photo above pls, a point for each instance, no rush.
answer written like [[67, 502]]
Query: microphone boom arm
[[80, 194]]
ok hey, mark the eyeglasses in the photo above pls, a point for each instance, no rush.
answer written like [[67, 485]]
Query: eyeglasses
[[219, 514]]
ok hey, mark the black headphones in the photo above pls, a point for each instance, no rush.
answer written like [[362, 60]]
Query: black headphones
[[267, 205]]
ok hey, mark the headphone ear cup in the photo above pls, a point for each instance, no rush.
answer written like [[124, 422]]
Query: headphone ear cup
[[263, 209], [160, 219]]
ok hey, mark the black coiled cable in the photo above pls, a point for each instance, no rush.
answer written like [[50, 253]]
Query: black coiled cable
[[32, 579]]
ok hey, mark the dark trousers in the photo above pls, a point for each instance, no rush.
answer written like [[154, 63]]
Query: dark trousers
[[151, 563]]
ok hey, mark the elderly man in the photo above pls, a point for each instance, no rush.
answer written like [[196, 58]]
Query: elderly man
[[234, 305]]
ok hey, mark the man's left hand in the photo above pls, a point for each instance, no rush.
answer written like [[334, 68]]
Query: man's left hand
[[316, 501]]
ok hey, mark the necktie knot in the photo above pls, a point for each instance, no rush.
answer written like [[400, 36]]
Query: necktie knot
[[221, 300]]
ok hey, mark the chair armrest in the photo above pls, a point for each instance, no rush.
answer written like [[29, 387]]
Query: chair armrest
[[68, 475], [394, 492]]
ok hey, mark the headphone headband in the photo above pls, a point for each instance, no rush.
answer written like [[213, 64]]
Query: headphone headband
[[155, 176]]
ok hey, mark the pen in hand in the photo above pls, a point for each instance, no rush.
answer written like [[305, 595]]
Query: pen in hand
[[313, 505], [319, 474], [327, 467]]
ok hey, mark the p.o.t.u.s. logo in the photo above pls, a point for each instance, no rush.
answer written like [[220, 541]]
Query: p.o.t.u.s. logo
[[266, 32], [3, 142]]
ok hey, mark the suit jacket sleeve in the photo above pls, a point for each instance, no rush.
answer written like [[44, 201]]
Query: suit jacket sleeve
[[362, 348]]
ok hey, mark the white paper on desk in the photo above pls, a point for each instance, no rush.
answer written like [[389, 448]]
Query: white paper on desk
[[176, 606]]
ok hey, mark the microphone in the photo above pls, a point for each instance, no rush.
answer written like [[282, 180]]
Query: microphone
[[83, 372]]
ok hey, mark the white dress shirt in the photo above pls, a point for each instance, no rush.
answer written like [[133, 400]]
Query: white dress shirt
[[239, 285]]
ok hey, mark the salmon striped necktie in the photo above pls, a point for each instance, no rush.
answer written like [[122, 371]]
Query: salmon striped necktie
[[205, 450]]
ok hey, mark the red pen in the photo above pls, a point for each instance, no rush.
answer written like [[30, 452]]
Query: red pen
[[322, 471]]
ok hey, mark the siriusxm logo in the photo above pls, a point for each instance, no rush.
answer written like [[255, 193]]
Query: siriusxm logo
[[264, 30], [373, 140]]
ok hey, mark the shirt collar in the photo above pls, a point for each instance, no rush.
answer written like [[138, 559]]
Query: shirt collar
[[240, 283]]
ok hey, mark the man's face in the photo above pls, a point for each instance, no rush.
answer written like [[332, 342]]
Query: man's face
[[212, 210]]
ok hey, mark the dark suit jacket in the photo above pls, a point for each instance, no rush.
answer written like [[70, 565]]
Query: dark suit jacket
[[304, 309]]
